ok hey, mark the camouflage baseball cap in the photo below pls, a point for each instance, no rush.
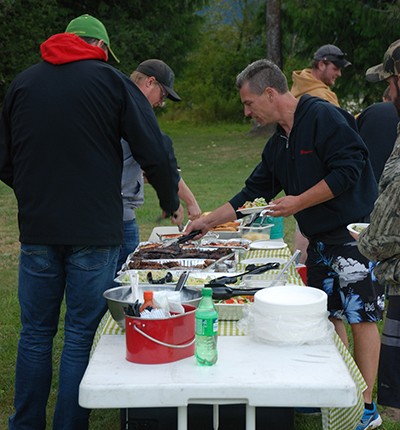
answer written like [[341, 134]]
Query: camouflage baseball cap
[[389, 67]]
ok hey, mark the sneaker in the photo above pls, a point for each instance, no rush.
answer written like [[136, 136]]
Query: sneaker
[[370, 419], [308, 411]]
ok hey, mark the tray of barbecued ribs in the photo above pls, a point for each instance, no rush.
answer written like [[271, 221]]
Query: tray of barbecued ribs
[[175, 256]]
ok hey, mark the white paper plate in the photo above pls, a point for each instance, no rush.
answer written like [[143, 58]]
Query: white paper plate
[[263, 260], [267, 244], [255, 209], [291, 298], [357, 227]]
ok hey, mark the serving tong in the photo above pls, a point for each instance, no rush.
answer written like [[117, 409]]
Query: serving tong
[[292, 259], [165, 279], [182, 239], [263, 214], [223, 292], [182, 280], [250, 219], [222, 280], [220, 260]]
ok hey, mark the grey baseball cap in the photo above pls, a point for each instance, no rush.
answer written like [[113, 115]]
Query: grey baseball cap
[[389, 67], [333, 54], [163, 73]]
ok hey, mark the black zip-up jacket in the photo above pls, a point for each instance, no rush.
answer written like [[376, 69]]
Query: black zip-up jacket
[[323, 144], [60, 131]]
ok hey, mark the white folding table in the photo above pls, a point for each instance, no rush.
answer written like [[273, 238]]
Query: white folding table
[[247, 372], [252, 373]]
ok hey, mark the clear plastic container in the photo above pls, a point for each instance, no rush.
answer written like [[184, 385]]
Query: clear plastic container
[[260, 232], [264, 280]]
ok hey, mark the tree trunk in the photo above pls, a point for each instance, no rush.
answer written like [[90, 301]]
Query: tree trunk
[[273, 28]]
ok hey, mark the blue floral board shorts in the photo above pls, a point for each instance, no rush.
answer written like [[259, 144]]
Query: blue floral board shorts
[[346, 277]]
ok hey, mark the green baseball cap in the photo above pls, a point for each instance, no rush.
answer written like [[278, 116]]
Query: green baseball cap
[[389, 67], [88, 26]]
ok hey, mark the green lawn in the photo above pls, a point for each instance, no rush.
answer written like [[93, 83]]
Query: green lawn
[[215, 160]]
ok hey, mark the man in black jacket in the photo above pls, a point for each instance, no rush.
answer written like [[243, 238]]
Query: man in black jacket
[[319, 160], [377, 125], [60, 131]]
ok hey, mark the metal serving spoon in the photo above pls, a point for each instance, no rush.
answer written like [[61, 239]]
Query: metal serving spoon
[[182, 280]]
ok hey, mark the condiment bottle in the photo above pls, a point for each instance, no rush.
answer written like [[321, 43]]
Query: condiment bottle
[[148, 301]]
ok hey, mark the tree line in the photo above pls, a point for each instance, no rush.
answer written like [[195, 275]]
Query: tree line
[[208, 42]]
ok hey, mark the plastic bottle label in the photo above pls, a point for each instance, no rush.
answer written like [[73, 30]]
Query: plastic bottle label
[[207, 327]]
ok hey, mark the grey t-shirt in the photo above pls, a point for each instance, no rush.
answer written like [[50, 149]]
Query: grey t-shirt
[[132, 185]]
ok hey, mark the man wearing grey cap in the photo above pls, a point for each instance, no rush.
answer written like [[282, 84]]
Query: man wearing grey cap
[[316, 81], [155, 79], [163, 75], [380, 243]]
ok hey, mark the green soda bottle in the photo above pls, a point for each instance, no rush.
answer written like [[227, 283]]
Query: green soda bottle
[[206, 330]]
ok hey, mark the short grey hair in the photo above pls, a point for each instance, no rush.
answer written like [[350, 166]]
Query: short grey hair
[[137, 77], [262, 74]]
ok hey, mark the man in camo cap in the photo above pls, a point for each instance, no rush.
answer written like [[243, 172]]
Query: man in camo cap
[[380, 243], [377, 123], [390, 66], [388, 70]]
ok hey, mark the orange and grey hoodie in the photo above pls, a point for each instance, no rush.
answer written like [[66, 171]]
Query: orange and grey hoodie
[[305, 83]]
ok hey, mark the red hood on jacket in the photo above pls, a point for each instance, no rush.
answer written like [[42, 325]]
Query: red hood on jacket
[[65, 48]]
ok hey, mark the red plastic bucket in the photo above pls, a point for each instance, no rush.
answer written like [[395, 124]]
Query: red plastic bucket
[[156, 341], [302, 271]]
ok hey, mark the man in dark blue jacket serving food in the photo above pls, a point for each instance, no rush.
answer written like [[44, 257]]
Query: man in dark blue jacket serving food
[[318, 159]]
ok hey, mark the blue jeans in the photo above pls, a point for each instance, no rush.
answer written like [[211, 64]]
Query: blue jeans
[[46, 273], [130, 241]]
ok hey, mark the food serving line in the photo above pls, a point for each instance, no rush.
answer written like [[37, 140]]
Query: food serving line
[[247, 372]]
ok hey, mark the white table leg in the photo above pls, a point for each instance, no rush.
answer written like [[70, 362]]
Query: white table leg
[[182, 418], [250, 417], [215, 416]]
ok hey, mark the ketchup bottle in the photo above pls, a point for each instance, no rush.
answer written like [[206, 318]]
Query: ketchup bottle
[[148, 301]]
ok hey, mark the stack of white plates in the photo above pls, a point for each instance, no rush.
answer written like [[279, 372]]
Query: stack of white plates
[[291, 314]]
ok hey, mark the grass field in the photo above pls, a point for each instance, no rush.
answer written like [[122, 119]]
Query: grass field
[[215, 160]]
